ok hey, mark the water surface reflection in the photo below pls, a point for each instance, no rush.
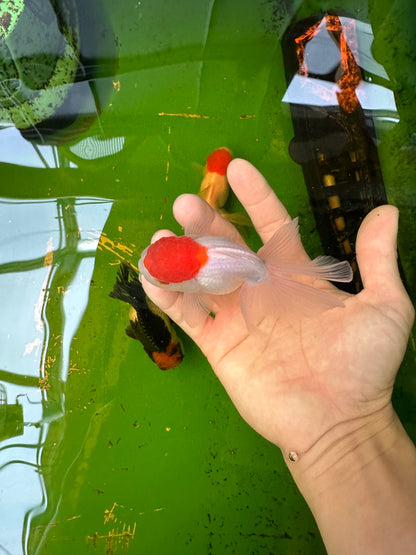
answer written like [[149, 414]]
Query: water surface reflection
[[47, 257]]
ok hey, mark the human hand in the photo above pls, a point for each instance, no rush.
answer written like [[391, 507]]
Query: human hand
[[293, 382]]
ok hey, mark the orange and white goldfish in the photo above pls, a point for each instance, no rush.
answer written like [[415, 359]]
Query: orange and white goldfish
[[215, 188], [205, 266]]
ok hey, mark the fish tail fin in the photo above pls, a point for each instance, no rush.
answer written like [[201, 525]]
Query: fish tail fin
[[128, 287], [236, 218], [282, 296], [285, 249], [328, 267]]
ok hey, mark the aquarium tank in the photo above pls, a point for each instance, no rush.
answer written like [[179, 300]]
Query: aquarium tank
[[108, 112]]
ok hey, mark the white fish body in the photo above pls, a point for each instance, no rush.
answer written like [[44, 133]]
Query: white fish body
[[267, 280]]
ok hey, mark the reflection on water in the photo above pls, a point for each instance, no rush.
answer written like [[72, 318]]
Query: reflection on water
[[322, 58], [16, 150], [58, 62], [133, 445], [52, 82], [341, 103], [20, 152], [47, 259]]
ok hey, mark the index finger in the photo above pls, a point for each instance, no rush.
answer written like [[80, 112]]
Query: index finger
[[264, 208], [194, 213]]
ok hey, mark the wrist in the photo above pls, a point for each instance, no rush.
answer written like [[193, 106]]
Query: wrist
[[359, 481], [344, 449]]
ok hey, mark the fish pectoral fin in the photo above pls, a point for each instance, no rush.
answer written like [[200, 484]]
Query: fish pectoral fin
[[195, 308], [131, 333]]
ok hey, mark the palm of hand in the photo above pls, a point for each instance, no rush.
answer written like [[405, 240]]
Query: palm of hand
[[292, 382]]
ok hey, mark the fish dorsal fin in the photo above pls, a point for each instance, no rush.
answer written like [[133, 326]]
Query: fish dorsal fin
[[284, 245]]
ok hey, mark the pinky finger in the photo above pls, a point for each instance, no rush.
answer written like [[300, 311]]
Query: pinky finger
[[161, 233]]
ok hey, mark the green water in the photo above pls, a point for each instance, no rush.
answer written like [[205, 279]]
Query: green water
[[100, 451]]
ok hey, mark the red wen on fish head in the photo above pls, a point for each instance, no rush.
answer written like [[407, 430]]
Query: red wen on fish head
[[218, 160], [175, 259]]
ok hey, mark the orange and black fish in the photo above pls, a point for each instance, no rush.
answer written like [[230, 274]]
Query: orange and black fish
[[148, 324]]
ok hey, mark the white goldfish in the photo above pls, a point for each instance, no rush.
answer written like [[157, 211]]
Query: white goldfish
[[203, 267]]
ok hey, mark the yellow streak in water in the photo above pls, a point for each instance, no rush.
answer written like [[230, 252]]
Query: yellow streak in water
[[183, 115]]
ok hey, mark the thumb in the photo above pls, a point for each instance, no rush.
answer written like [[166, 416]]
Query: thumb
[[377, 259]]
